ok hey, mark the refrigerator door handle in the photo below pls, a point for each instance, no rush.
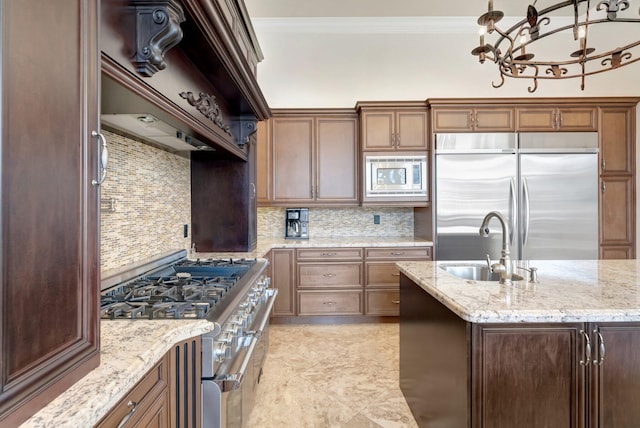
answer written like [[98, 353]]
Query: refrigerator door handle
[[525, 228], [514, 208]]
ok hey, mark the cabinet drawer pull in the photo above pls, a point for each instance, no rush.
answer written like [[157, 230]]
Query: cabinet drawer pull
[[329, 254], [395, 302], [400, 253], [395, 274], [329, 303], [125, 419], [601, 350], [587, 349], [329, 275]]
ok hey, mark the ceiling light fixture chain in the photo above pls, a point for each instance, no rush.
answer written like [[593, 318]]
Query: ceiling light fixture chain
[[513, 49]]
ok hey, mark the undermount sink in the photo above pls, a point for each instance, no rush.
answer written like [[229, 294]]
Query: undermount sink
[[475, 272]]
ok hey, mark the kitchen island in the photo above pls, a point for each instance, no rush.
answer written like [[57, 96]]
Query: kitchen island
[[560, 352]]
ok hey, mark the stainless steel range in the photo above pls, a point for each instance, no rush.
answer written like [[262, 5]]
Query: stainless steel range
[[234, 294]]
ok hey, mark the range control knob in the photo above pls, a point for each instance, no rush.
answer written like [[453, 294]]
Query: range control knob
[[221, 352]]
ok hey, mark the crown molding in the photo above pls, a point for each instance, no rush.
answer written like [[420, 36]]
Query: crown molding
[[373, 25]]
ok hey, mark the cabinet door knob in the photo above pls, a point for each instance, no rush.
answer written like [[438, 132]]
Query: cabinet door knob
[[329, 275]]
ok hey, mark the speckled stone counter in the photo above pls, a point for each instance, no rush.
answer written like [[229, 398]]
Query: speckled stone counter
[[264, 245], [128, 350], [567, 291]]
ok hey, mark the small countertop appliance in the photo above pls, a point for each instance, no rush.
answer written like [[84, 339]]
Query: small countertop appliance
[[296, 224]]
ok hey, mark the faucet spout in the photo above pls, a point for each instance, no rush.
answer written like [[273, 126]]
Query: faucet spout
[[505, 266]]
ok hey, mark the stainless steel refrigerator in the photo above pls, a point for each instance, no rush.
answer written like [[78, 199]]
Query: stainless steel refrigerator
[[545, 184]]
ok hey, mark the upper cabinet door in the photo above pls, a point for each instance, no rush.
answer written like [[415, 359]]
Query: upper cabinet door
[[411, 130], [50, 255], [292, 151], [378, 130], [473, 119], [337, 160], [394, 127], [617, 134], [543, 119]]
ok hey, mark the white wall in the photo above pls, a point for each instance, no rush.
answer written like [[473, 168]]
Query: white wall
[[334, 62]]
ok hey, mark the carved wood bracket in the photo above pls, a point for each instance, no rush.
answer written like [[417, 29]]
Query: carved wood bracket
[[157, 31], [206, 104]]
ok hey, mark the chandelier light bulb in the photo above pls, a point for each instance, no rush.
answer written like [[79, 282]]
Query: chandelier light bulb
[[582, 32], [482, 30]]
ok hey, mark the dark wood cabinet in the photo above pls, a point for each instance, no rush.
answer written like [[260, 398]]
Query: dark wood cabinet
[[224, 201], [527, 376], [49, 325], [581, 374]]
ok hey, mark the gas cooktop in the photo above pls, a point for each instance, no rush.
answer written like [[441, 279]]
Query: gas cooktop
[[186, 289]]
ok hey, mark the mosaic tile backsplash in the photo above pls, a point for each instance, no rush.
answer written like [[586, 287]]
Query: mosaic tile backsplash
[[340, 222], [151, 188]]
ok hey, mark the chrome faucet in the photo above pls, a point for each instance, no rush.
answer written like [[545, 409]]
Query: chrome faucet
[[504, 267]]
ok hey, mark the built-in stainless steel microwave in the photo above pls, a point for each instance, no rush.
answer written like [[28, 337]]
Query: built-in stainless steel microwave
[[394, 176]]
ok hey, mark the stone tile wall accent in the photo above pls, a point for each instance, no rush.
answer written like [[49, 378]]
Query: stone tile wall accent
[[336, 222], [152, 189]]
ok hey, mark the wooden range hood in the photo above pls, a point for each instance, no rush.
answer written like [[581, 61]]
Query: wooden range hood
[[189, 63]]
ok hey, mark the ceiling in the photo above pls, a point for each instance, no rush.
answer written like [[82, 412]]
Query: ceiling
[[377, 8]]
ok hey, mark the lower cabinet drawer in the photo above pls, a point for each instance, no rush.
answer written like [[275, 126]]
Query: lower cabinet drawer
[[343, 275], [382, 302], [145, 400], [381, 274], [338, 302]]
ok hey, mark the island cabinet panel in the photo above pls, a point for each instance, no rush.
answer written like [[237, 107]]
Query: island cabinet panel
[[494, 375], [527, 376], [468, 119], [49, 256], [283, 279], [616, 370]]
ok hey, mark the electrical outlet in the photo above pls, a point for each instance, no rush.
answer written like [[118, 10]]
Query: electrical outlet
[[186, 230], [376, 219]]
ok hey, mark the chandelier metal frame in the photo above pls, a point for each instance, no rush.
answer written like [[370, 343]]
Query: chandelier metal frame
[[510, 49]]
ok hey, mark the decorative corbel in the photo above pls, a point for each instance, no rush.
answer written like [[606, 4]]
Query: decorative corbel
[[245, 128], [157, 31], [206, 104]]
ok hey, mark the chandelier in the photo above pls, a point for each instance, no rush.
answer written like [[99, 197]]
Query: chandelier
[[513, 49]]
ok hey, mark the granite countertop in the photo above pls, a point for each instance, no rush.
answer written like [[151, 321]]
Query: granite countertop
[[566, 291], [128, 350], [264, 245]]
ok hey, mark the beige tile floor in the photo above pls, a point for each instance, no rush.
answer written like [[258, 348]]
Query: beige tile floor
[[331, 376]]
